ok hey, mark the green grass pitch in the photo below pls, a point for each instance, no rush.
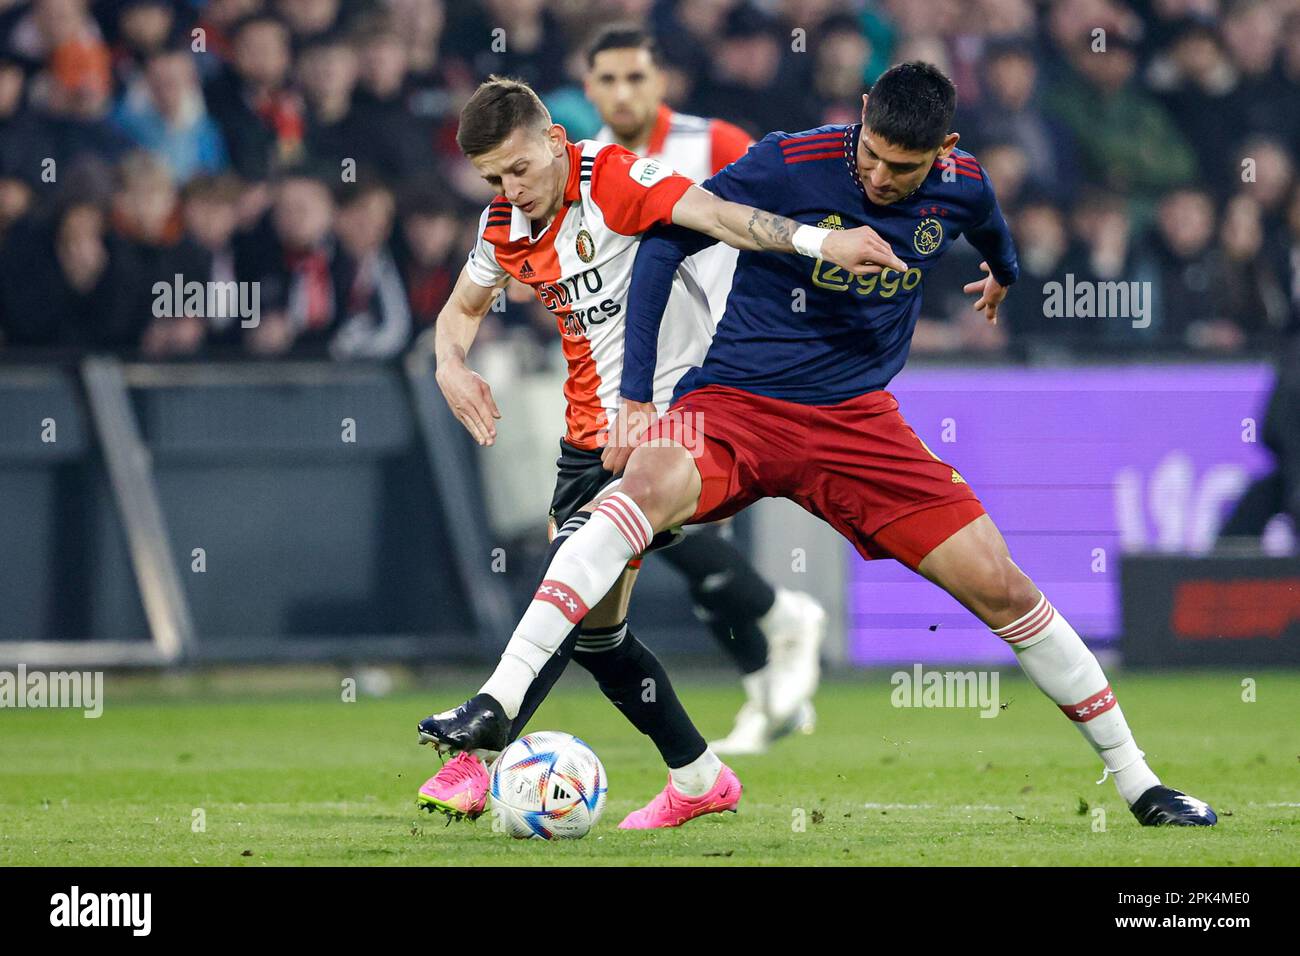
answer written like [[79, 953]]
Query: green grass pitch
[[300, 777]]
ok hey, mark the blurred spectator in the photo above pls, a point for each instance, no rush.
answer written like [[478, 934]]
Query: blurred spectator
[[1250, 290], [375, 315], [51, 25], [437, 85], [294, 263], [1198, 83], [1008, 19], [167, 114], [216, 23], [1048, 252], [309, 18], [23, 144], [147, 217], [1011, 112], [841, 60], [1187, 269], [1252, 32], [72, 94], [1007, 166], [260, 115], [1265, 172], [518, 38], [432, 256], [1126, 138], [15, 201], [144, 29], [745, 83], [1100, 221], [392, 139], [65, 285], [327, 73], [210, 207], [1168, 19]]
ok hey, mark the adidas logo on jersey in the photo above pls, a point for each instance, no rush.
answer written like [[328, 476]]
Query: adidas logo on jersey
[[831, 222], [526, 270]]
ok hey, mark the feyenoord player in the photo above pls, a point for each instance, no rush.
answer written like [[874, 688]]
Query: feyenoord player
[[793, 404], [567, 223], [773, 635]]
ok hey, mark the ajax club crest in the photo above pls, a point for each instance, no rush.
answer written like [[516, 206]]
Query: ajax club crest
[[585, 246], [928, 236]]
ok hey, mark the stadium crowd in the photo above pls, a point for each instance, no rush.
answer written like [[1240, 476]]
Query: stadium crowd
[[308, 146]]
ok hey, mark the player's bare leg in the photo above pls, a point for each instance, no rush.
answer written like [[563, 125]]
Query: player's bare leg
[[975, 567], [612, 609]]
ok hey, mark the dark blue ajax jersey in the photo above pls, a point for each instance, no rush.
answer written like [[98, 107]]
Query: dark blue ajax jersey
[[803, 330]]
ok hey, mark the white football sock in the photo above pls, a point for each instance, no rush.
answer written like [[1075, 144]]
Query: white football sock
[[579, 575], [755, 685], [1055, 658], [509, 682], [697, 777]]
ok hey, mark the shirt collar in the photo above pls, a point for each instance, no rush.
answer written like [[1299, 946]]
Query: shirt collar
[[851, 156], [521, 227], [659, 132]]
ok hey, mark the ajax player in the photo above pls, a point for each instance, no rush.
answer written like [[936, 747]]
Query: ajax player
[[567, 223], [773, 635], [793, 404]]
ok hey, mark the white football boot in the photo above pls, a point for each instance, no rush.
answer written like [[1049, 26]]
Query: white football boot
[[795, 628], [778, 698], [804, 721], [751, 731]]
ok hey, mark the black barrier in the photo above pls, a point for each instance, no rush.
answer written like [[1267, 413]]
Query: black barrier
[[1210, 610], [57, 523], [300, 515]]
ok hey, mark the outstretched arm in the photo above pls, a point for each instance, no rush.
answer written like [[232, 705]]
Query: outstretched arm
[[861, 251]]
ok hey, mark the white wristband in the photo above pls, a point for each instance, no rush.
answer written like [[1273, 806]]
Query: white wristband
[[807, 241]]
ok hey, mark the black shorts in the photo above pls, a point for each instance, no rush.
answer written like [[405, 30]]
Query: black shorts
[[579, 479]]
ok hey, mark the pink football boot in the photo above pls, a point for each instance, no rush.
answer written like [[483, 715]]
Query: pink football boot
[[672, 808], [459, 789]]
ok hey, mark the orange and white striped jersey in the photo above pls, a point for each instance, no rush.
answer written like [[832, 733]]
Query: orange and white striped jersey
[[580, 268], [697, 148]]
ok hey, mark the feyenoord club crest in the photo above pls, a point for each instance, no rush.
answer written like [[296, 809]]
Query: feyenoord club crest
[[585, 245]]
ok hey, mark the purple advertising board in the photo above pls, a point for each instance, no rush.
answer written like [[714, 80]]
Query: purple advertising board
[[1076, 466]]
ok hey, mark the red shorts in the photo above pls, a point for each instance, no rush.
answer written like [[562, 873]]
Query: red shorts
[[856, 465]]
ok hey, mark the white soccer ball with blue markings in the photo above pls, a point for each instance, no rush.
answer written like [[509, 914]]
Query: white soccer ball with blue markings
[[549, 785]]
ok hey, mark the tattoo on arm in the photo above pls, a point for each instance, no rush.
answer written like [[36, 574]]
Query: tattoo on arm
[[769, 231]]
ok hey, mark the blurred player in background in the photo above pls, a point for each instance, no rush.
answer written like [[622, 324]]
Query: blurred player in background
[[1278, 490], [567, 223], [773, 635]]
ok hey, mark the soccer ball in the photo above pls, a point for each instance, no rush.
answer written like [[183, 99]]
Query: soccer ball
[[549, 785]]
